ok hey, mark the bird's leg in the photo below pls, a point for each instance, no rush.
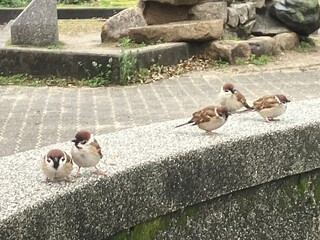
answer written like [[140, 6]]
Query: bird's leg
[[211, 133], [46, 180], [78, 174], [69, 180], [99, 172], [268, 120], [243, 111]]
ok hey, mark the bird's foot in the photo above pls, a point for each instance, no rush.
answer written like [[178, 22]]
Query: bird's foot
[[268, 120], [78, 174], [211, 133], [99, 172], [69, 180]]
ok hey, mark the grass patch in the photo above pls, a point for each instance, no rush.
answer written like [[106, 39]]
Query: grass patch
[[127, 42], [32, 81], [261, 60]]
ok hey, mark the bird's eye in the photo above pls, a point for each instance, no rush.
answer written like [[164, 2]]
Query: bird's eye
[[62, 159], [48, 160], [83, 142]]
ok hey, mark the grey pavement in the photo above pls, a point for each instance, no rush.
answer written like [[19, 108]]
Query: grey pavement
[[32, 117]]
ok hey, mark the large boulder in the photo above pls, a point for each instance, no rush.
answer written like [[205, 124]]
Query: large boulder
[[228, 50], [36, 25], [241, 18], [266, 25], [161, 13], [209, 11], [118, 25], [287, 41], [179, 31], [263, 46], [301, 16]]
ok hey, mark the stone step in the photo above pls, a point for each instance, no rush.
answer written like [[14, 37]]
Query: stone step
[[185, 31]]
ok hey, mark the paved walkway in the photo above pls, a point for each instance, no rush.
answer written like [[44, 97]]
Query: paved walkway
[[32, 117]]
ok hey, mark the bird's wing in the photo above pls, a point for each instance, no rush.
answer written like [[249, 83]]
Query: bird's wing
[[242, 99], [96, 145], [265, 102], [204, 115], [69, 159]]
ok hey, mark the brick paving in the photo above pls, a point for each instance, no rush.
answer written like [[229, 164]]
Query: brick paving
[[33, 117]]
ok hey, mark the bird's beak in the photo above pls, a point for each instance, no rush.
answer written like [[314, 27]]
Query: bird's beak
[[55, 164], [73, 140]]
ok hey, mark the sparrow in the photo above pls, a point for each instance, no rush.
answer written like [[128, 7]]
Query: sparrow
[[271, 106], [231, 98], [56, 164], [209, 118], [86, 151]]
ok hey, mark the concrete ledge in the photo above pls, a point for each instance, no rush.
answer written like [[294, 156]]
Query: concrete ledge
[[7, 14], [62, 63], [159, 169]]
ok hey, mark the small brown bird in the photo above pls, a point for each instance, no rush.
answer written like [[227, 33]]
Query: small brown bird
[[86, 151], [209, 118], [272, 106], [231, 98], [56, 164]]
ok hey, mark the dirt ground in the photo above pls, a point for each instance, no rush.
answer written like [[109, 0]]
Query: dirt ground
[[84, 36]]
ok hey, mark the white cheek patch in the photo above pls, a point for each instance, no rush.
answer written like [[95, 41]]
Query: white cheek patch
[[91, 139]]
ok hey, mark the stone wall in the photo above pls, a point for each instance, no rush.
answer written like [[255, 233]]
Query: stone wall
[[284, 209], [199, 182]]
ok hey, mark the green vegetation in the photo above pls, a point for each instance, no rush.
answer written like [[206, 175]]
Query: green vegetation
[[261, 60], [32, 81], [221, 63], [72, 3], [306, 44], [302, 184], [127, 42], [240, 61], [229, 36], [149, 229], [128, 66], [59, 45]]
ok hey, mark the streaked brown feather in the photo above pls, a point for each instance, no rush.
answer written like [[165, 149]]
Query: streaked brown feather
[[204, 115], [96, 145], [242, 99], [265, 102]]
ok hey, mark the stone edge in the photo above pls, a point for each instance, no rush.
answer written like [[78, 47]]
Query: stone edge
[[156, 188]]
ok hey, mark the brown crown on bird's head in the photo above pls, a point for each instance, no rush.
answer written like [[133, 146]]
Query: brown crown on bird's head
[[82, 136], [55, 155], [228, 87], [282, 98]]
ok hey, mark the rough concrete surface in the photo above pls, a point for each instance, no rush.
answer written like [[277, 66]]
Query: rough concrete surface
[[284, 209], [153, 170]]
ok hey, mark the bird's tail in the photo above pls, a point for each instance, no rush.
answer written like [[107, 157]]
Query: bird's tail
[[248, 107], [184, 124]]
